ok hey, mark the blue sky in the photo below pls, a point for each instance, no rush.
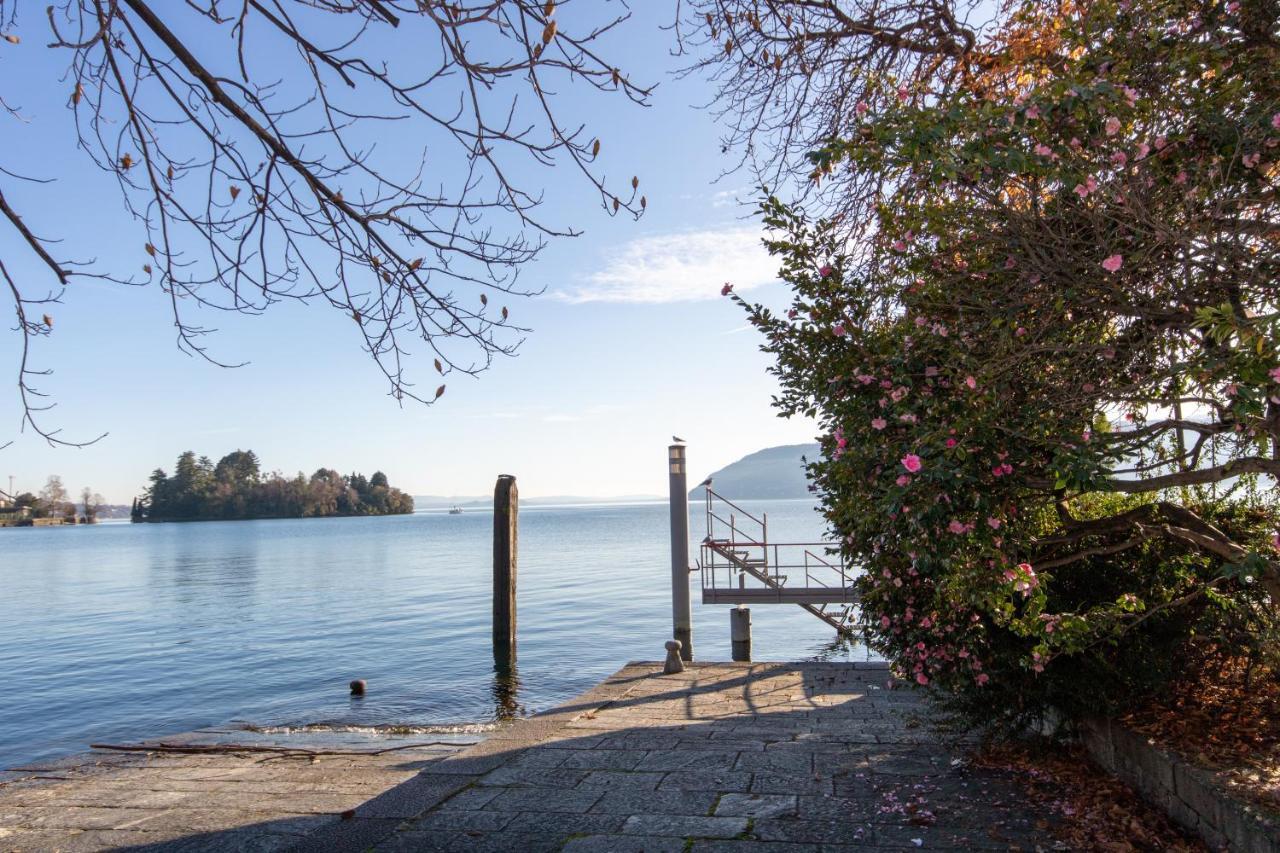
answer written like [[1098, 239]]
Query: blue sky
[[631, 341]]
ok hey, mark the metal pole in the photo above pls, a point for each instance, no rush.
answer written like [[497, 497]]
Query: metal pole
[[682, 622], [740, 632], [506, 505]]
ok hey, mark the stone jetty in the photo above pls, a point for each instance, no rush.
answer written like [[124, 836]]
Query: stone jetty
[[759, 758]]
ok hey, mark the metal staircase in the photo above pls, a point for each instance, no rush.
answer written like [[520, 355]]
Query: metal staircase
[[739, 565]]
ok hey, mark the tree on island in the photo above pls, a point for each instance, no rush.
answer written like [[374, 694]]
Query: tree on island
[[1048, 370], [235, 488], [240, 143]]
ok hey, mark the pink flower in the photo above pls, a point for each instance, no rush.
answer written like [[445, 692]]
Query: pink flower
[[861, 108], [899, 246], [1033, 113], [824, 271], [1251, 160], [1113, 263], [1120, 158], [903, 94], [727, 289], [1143, 150], [879, 423], [1275, 121], [1131, 96], [971, 382], [911, 462], [1044, 150], [982, 679], [884, 622], [956, 526], [921, 678], [1181, 177], [903, 480], [993, 523], [1087, 187], [931, 371], [951, 442], [838, 330], [1275, 374], [1112, 126]]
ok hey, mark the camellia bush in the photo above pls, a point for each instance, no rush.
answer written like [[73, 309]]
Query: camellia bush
[[1049, 380]]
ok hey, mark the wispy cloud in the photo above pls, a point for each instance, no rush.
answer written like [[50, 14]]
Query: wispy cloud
[[679, 267]]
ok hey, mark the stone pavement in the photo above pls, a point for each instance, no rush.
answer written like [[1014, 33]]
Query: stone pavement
[[252, 801], [760, 758]]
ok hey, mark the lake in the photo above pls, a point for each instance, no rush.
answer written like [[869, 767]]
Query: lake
[[118, 632]]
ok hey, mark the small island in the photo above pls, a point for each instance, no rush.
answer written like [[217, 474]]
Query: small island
[[236, 489]]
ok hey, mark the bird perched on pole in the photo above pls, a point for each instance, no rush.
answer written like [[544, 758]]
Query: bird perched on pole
[[677, 438]]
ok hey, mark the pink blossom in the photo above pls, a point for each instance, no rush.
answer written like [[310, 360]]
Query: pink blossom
[[1087, 187], [956, 526], [861, 108], [1251, 160], [1275, 374], [1120, 158], [1161, 142], [907, 418], [899, 246], [838, 330], [898, 393], [993, 523], [1131, 96], [1033, 113], [971, 382], [921, 678], [951, 442], [792, 314], [1044, 150], [911, 462], [1086, 436], [1113, 263], [1143, 150], [903, 480], [982, 679], [1275, 121], [727, 289], [824, 271], [903, 94], [1112, 126], [1020, 331], [884, 622], [1181, 177], [879, 423], [931, 371]]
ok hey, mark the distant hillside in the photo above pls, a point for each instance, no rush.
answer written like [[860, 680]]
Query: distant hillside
[[773, 473]]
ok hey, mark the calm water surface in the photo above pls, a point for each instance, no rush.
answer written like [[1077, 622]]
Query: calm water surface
[[118, 632]]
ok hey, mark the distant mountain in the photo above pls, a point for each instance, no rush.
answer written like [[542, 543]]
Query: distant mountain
[[775, 473]]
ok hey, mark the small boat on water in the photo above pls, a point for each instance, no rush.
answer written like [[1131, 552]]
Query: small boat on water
[[455, 510]]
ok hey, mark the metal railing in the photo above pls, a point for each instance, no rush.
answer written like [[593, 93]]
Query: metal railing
[[737, 554]]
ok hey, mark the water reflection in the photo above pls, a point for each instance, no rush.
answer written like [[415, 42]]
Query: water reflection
[[506, 689]]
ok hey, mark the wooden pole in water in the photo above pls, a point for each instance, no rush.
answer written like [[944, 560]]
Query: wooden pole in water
[[506, 504], [682, 621]]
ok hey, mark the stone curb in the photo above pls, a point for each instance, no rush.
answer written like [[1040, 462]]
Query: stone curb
[[1190, 795]]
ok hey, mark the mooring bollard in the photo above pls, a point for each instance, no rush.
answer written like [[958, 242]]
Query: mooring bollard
[[506, 505], [673, 664], [682, 621], [740, 632], [357, 687]]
